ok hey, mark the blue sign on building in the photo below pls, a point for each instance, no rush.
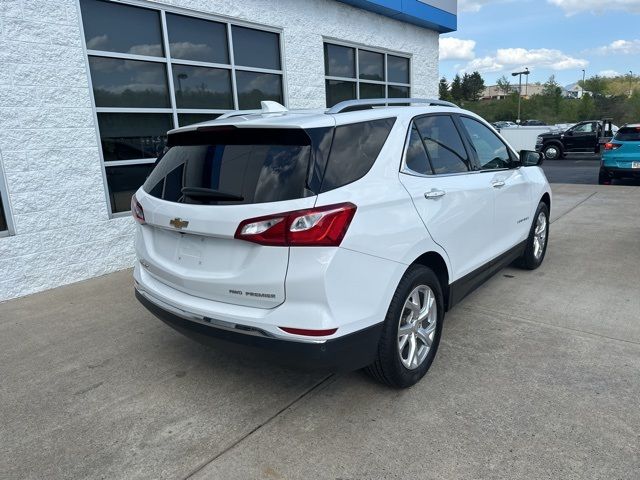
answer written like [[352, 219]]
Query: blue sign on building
[[439, 15]]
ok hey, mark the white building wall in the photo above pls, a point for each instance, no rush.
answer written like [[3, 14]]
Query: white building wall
[[48, 138]]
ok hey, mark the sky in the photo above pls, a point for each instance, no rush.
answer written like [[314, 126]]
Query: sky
[[550, 37]]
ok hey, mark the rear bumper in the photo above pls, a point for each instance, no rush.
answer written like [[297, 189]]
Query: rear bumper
[[346, 353], [615, 172]]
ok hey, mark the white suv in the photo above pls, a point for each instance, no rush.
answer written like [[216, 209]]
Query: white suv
[[334, 239]]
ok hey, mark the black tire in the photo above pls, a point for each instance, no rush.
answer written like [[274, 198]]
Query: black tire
[[549, 150], [388, 367], [604, 179], [529, 260]]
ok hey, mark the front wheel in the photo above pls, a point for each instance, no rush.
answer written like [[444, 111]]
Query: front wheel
[[537, 241], [552, 152], [412, 328]]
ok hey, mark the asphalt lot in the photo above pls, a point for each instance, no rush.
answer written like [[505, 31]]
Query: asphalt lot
[[537, 376], [578, 169]]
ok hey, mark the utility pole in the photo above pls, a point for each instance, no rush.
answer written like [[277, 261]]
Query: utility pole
[[583, 75], [519, 74], [630, 84]]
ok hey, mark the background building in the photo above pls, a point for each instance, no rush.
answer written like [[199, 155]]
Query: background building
[[88, 89]]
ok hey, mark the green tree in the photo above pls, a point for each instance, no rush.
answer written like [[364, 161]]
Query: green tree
[[504, 85], [552, 93], [474, 86], [587, 108], [597, 85], [443, 89], [457, 93]]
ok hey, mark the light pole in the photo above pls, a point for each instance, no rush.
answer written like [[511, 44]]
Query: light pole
[[583, 75], [630, 84], [519, 74]]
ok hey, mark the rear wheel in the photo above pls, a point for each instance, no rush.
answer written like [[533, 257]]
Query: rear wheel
[[603, 178], [536, 248], [552, 152], [412, 328]]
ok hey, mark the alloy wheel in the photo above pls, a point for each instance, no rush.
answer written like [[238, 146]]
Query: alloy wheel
[[417, 326], [540, 235]]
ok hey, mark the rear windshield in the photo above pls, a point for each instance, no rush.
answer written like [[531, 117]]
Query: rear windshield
[[236, 166], [628, 134]]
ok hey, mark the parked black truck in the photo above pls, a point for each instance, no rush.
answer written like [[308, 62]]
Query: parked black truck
[[584, 137]]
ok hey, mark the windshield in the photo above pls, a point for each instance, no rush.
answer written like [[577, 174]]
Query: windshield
[[628, 134], [239, 167]]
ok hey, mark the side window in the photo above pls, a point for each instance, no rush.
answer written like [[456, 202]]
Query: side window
[[355, 148], [416, 157], [492, 153], [443, 144], [584, 128]]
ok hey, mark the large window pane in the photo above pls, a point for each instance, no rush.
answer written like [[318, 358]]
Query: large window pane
[[398, 92], [195, 39], [201, 87], [128, 136], [3, 219], [397, 69], [123, 182], [255, 87], [185, 119], [256, 48], [338, 91], [339, 61], [371, 90], [371, 65], [443, 144], [121, 28], [129, 83]]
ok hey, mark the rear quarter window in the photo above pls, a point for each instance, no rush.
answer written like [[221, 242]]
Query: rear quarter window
[[355, 149]]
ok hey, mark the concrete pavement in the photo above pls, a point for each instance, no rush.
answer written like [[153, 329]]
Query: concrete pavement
[[537, 376]]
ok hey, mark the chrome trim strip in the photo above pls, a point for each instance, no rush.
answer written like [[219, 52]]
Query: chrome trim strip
[[215, 323]]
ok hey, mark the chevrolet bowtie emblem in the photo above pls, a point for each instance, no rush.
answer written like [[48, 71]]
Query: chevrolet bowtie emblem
[[179, 223]]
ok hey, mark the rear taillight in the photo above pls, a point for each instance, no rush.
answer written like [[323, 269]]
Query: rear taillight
[[137, 211], [612, 146], [315, 227]]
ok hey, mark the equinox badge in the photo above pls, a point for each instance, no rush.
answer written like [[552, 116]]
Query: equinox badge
[[179, 223]]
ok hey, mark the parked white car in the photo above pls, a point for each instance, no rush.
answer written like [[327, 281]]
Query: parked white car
[[335, 239]]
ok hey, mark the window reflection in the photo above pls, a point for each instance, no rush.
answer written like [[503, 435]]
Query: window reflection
[[200, 87], [121, 28], [132, 136], [128, 83], [255, 87], [195, 39]]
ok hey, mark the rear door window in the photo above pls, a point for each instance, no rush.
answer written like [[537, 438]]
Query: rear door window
[[443, 144], [355, 148], [233, 166], [628, 134]]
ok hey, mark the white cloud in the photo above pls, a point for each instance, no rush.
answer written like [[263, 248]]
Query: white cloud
[[516, 58], [572, 7], [471, 5], [609, 73], [620, 47], [456, 49]]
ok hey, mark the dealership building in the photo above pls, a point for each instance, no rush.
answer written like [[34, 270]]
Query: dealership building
[[89, 88]]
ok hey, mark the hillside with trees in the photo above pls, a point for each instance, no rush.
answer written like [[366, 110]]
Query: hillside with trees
[[617, 98]]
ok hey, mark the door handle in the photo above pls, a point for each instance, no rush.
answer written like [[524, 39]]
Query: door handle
[[433, 194], [498, 184]]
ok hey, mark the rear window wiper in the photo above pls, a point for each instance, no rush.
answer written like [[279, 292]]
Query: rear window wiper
[[200, 193]]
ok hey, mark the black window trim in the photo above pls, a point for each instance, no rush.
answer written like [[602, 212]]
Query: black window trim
[[463, 136], [515, 159], [167, 61]]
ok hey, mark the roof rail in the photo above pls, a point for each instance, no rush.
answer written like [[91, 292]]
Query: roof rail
[[359, 104]]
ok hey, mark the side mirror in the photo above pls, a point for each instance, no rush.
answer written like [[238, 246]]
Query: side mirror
[[529, 158]]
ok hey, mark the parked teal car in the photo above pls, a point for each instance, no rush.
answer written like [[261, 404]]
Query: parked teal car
[[621, 156]]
